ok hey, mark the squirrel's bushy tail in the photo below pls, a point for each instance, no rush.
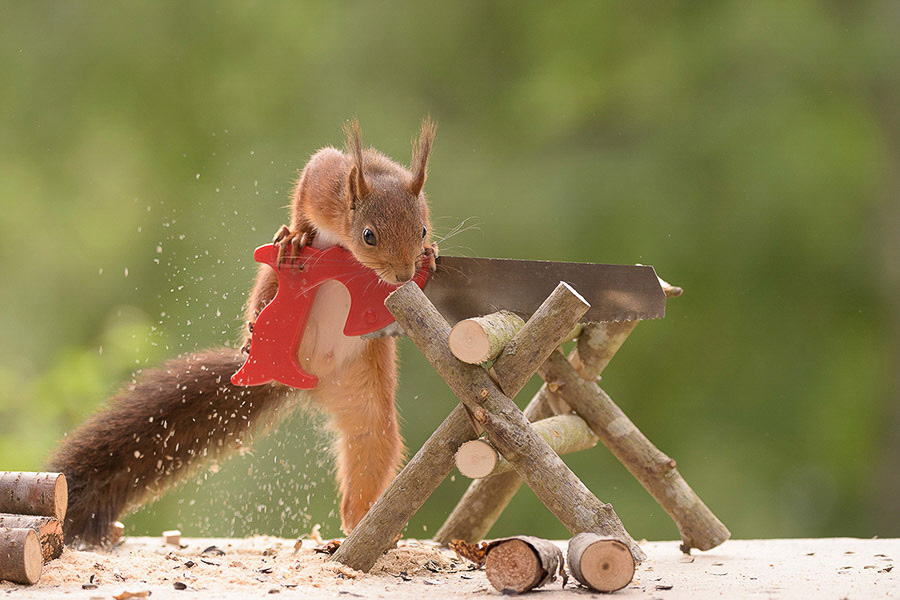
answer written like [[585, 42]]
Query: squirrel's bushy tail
[[153, 431]]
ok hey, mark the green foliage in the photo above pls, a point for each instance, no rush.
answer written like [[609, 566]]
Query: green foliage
[[747, 150]]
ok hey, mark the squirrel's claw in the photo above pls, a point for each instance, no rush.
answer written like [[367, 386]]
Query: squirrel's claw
[[290, 243]]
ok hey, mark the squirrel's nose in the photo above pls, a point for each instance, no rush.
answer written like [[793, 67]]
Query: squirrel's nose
[[404, 273]]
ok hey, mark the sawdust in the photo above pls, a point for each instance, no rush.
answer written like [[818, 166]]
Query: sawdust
[[260, 564]]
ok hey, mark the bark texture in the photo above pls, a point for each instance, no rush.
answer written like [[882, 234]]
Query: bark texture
[[563, 433], [48, 529], [41, 494], [480, 339], [522, 563]]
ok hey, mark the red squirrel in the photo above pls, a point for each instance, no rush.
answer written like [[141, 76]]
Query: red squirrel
[[151, 434]]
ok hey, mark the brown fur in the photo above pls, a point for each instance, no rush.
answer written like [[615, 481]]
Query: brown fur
[[151, 434], [121, 457]]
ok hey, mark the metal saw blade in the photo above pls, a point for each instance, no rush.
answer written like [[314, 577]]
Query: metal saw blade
[[469, 287]]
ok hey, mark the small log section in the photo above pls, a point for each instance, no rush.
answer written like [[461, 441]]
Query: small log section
[[20, 556], [491, 409], [48, 529], [600, 563], [522, 563], [40, 494], [572, 383], [480, 339], [563, 433]]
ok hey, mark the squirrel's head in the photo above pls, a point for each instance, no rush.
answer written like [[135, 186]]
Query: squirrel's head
[[388, 214]]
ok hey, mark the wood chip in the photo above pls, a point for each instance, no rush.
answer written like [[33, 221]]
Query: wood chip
[[172, 537], [329, 548], [126, 595], [475, 553]]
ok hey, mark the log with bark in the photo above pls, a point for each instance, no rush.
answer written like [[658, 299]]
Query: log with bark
[[40, 494], [433, 462], [481, 339], [601, 563], [522, 563], [563, 433], [49, 531], [20, 556]]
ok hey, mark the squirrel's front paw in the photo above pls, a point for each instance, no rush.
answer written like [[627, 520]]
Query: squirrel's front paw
[[431, 254], [290, 243]]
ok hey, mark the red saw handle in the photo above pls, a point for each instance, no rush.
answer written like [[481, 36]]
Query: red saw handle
[[278, 330]]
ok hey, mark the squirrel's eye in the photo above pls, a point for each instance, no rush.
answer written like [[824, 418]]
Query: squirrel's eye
[[424, 233], [368, 237]]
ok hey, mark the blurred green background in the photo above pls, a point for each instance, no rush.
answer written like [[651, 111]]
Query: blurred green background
[[747, 150]]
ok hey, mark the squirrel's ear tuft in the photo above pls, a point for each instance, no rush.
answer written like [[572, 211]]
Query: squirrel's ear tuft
[[356, 180], [421, 151]]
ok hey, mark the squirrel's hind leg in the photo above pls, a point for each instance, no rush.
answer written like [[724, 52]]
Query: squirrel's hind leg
[[369, 448]]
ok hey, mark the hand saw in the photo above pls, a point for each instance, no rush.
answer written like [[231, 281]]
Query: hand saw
[[460, 288]]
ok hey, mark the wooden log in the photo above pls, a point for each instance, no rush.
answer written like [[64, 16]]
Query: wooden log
[[20, 556], [601, 563], [522, 563], [563, 433], [698, 526], [476, 458], [40, 494], [481, 339], [48, 529], [485, 500]]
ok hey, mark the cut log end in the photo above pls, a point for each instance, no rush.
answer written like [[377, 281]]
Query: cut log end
[[60, 497], [603, 564], [20, 556], [476, 458], [469, 342], [513, 565]]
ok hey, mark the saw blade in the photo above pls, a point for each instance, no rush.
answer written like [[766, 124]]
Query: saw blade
[[471, 287]]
